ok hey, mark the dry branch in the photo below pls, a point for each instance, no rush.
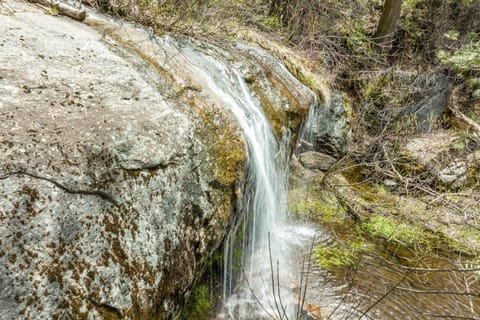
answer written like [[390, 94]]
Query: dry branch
[[470, 122], [457, 293]]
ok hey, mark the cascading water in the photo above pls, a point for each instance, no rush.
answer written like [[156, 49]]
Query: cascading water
[[260, 283], [306, 136], [262, 293]]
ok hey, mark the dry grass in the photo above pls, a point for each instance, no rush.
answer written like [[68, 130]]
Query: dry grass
[[186, 16]]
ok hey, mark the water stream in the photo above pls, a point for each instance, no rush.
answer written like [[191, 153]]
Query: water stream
[[266, 276], [264, 218], [259, 277]]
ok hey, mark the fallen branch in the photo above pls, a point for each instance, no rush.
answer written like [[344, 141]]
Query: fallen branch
[[457, 293], [470, 122], [65, 9]]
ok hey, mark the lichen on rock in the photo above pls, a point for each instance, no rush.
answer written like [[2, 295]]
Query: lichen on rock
[[120, 167]]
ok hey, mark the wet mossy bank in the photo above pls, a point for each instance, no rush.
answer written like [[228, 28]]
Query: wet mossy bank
[[377, 252], [355, 208]]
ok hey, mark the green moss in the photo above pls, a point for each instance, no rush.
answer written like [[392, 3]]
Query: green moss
[[323, 209], [303, 76], [377, 195], [199, 306], [228, 149], [309, 82], [340, 256], [353, 172], [395, 231], [277, 117], [333, 258], [52, 10]]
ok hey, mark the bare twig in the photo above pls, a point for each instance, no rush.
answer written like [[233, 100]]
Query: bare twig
[[273, 278], [433, 291]]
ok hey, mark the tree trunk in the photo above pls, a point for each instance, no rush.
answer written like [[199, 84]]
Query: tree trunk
[[388, 23]]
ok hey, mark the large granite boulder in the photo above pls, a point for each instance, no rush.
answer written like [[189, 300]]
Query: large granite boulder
[[110, 204], [120, 168]]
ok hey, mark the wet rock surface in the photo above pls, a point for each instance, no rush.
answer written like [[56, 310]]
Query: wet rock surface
[[317, 160], [329, 127], [119, 169]]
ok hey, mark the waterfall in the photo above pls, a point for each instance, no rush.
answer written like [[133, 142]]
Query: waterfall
[[306, 136], [259, 280], [265, 256]]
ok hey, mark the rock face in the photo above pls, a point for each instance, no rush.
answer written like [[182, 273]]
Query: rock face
[[424, 114], [329, 127], [119, 168]]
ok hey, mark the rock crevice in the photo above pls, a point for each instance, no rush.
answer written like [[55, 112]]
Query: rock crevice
[[105, 196]]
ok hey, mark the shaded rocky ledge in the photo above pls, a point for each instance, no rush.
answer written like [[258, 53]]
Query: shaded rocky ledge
[[119, 169]]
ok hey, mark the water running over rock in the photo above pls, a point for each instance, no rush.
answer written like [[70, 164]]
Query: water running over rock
[[265, 274]]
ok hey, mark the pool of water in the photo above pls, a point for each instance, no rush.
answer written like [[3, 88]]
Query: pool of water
[[395, 283]]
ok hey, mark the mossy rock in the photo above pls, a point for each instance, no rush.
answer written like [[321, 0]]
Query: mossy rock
[[228, 149], [342, 254], [392, 230], [333, 258]]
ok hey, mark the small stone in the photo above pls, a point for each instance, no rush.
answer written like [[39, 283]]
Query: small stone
[[454, 174], [317, 160], [389, 183], [250, 78]]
